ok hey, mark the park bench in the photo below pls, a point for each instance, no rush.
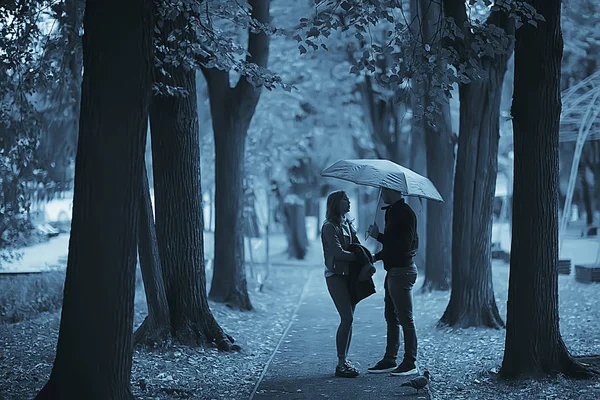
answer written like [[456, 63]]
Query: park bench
[[587, 273], [564, 266]]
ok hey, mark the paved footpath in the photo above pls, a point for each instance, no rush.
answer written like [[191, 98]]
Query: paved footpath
[[303, 366]]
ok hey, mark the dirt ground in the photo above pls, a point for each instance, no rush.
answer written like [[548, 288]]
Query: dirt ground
[[465, 362], [27, 349]]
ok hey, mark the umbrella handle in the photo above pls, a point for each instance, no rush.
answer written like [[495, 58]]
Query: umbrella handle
[[375, 213], [377, 205]]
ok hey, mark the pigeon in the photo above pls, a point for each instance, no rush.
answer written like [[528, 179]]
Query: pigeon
[[419, 382]]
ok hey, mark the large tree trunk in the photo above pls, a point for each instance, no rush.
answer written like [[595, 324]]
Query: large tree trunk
[[533, 342], [419, 165], [232, 110], [440, 170], [179, 217], [439, 145], [297, 236], [156, 328], [93, 357], [418, 151], [472, 301], [229, 278]]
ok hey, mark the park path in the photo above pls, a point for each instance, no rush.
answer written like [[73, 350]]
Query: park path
[[303, 365]]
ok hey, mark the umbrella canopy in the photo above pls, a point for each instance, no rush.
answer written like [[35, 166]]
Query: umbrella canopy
[[384, 174]]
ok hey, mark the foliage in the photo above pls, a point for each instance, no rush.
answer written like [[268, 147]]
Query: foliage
[[314, 121], [211, 41], [25, 70], [414, 55], [580, 21], [23, 297]]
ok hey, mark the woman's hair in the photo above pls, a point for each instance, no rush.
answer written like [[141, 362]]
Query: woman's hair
[[333, 212]]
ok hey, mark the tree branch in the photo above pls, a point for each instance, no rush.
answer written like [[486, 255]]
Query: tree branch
[[503, 21], [457, 10], [217, 82], [258, 48]]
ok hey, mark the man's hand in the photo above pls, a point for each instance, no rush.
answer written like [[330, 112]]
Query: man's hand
[[373, 231]]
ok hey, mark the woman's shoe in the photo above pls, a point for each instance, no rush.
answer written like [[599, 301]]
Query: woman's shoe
[[346, 371]]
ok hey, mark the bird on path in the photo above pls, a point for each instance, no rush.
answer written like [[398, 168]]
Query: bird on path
[[419, 382]]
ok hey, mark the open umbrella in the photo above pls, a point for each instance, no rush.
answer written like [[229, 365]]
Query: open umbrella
[[384, 174]]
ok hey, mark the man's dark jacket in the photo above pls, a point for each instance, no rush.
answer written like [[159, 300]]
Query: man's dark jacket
[[399, 238], [361, 271]]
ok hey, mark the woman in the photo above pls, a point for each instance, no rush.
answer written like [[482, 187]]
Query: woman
[[337, 234]]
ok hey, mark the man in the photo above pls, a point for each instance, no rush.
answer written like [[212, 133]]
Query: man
[[400, 242]]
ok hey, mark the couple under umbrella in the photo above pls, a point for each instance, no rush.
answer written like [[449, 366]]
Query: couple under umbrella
[[344, 254]]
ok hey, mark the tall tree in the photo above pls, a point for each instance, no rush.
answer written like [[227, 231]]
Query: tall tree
[[93, 357], [533, 341], [439, 144], [472, 301], [232, 110], [178, 198], [156, 327]]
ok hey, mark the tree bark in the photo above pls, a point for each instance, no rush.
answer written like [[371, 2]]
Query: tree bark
[[472, 301], [297, 235], [418, 151], [229, 277], [232, 110], [156, 328], [383, 116], [178, 198], [93, 357], [439, 145], [440, 170], [534, 345]]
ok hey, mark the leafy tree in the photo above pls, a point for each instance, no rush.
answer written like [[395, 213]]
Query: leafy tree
[[23, 73], [232, 110], [59, 103], [93, 357], [582, 40], [415, 48], [490, 44], [533, 341], [436, 129], [179, 218]]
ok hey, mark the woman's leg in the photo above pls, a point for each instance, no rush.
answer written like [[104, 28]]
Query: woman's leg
[[338, 289], [350, 334]]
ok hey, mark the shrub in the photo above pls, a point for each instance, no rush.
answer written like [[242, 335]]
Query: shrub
[[26, 295]]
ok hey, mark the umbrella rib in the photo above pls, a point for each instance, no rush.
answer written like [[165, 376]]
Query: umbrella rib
[[351, 181]]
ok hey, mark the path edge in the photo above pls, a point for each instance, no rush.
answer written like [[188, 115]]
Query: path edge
[[283, 335]]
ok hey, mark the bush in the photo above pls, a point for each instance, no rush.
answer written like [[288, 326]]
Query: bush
[[27, 295]]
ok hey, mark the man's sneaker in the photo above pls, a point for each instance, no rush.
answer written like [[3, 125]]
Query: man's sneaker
[[405, 368], [383, 366], [346, 371]]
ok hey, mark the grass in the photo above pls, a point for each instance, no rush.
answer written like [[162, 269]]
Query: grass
[[24, 296]]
